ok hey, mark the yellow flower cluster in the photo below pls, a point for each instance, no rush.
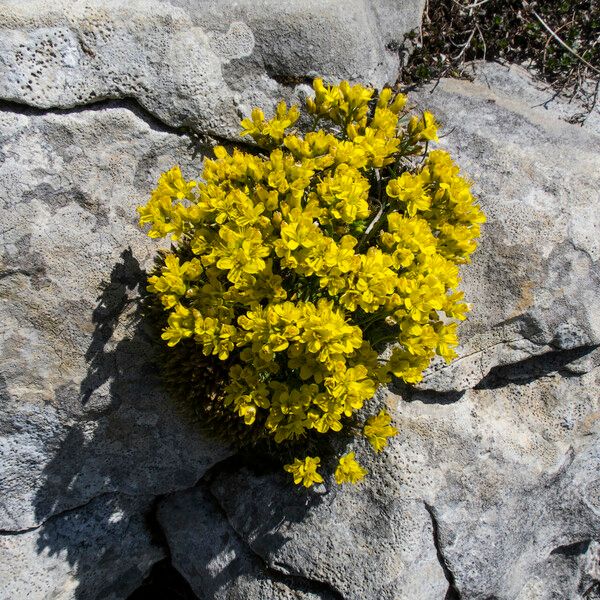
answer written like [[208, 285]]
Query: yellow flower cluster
[[378, 429], [297, 263]]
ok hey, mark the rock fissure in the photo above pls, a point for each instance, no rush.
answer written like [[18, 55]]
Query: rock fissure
[[62, 513], [13, 272], [79, 507], [12, 532], [129, 103], [159, 538], [275, 569], [535, 367], [453, 592]]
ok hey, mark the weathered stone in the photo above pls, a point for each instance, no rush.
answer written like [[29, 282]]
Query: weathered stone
[[82, 413], [534, 280], [101, 551], [491, 488], [504, 479], [513, 81], [366, 542], [194, 63], [207, 551]]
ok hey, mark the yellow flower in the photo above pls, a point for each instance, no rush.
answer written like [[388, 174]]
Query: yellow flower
[[270, 133], [172, 184], [239, 252], [446, 341], [349, 470], [377, 430], [294, 264], [180, 325], [345, 192], [175, 280], [409, 190], [423, 129], [305, 471]]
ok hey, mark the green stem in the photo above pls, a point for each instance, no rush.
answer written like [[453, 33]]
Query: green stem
[[385, 338]]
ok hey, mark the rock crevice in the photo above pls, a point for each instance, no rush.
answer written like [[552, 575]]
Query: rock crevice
[[452, 593]]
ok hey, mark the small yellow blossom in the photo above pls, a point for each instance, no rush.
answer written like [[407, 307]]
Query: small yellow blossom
[[305, 471], [377, 430], [349, 470], [424, 128]]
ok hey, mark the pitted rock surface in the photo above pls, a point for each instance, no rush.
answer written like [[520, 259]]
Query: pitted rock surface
[[82, 412], [491, 495], [100, 551], [201, 64], [534, 279], [216, 562]]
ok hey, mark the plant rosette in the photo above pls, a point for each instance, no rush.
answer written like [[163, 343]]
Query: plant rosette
[[295, 263]]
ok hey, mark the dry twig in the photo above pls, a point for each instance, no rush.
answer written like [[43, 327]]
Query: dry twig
[[558, 39]]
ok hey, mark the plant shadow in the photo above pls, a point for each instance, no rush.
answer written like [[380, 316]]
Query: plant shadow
[[126, 444]]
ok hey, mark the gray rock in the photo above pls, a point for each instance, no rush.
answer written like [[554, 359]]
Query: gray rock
[[101, 551], [82, 412], [367, 543], [514, 81], [490, 490], [194, 63], [534, 280], [503, 483], [538, 543], [207, 551]]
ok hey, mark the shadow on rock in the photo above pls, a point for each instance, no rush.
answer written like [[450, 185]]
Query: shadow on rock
[[535, 367], [120, 444], [126, 278], [217, 561]]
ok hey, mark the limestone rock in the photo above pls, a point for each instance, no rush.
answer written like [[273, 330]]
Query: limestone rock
[[366, 543], [207, 551], [194, 63], [490, 490], [101, 551], [515, 81], [82, 412], [534, 280], [503, 483]]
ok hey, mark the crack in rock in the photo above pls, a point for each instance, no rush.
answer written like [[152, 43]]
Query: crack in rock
[[131, 104], [453, 593], [163, 569], [8, 532], [574, 549], [78, 508], [230, 565], [278, 570], [534, 367], [164, 581]]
